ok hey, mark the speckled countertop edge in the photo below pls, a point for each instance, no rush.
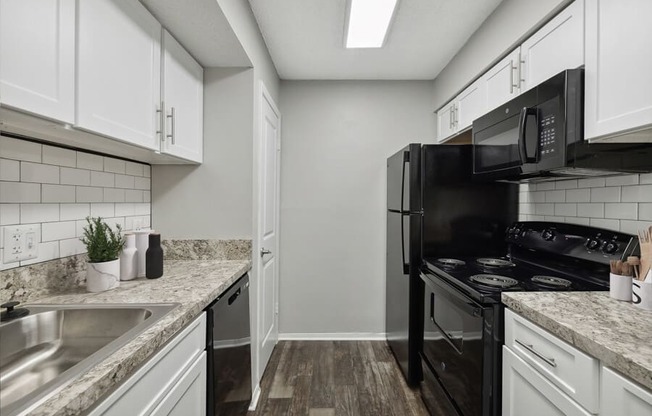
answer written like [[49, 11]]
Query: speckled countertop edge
[[617, 333], [192, 284]]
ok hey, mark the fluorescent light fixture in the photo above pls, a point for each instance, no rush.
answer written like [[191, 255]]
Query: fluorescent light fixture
[[368, 22]]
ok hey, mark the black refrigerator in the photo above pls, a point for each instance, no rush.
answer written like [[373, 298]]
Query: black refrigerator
[[435, 208]]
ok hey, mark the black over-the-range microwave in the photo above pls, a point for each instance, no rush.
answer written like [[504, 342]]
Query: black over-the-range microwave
[[539, 135]]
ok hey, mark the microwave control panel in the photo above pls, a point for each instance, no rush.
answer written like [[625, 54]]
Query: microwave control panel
[[549, 132]]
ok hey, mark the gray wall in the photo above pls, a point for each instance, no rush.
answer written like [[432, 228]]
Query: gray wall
[[336, 138], [214, 199], [504, 28]]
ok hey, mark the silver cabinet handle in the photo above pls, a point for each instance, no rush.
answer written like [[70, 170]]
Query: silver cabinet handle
[[550, 361], [521, 80], [455, 116], [264, 251], [450, 119], [512, 85], [172, 129], [159, 112]]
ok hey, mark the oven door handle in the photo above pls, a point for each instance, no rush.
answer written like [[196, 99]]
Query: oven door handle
[[527, 112]]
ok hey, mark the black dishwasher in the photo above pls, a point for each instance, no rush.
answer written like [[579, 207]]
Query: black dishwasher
[[228, 349]]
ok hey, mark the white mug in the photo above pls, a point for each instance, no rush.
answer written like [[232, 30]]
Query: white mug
[[620, 287]]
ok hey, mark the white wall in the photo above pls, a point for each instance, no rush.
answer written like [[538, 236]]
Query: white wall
[[214, 199], [504, 28], [336, 137]]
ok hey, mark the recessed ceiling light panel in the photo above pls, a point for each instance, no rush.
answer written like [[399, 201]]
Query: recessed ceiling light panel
[[368, 22]]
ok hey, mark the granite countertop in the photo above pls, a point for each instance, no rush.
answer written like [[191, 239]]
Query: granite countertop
[[191, 283], [617, 333]]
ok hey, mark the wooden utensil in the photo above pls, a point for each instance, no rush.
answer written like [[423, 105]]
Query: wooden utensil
[[645, 240], [635, 262]]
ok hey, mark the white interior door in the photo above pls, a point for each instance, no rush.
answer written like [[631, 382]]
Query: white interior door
[[268, 222]]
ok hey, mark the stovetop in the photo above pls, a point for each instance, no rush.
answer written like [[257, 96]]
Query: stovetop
[[541, 256]]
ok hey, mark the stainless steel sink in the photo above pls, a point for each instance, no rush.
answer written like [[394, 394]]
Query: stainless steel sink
[[41, 352]]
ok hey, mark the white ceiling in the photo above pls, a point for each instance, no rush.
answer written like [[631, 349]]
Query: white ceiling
[[306, 38]]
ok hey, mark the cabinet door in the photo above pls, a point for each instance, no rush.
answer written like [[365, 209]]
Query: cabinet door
[[526, 392], [183, 97], [620, 396], [618, 96], [37, 57], [188, 397], [557, 46], [445, 122], [470, 105], [118, 71], [501, 81]]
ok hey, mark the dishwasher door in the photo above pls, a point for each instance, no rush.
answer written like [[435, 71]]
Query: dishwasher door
[[229, 352]]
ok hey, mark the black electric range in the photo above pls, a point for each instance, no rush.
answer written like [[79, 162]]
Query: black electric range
[[463, 316]]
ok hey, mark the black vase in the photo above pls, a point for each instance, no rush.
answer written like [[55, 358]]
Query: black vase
[[154, 257]]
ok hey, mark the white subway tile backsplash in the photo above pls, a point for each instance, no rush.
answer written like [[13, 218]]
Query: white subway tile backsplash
[[72, 176], [51, 231], [112, 222], [59, 156], [124, 181], [55, 189], [566, 184], [58, 193], [20, 149], [89, 194], [114, 165], [645, 178], [590, 210], [566, 210], [591, 183], [640, 193], [553, 218], [114, 195], [538, 197], [555, 196], [9, 214], [74, 211], [578, 220], [33, 213], [610, 194], [103, 179], [633, 227], [605, 223], [103, 210], [621, 211], [37, 172], [90, 161], [578, 195], [526, 209], [545, 209], [524, 197], [622, 180], [545, 186], [20, 192], [9, 170], [645, 212]]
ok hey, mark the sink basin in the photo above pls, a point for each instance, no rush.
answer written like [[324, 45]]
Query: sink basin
[[41, 352]]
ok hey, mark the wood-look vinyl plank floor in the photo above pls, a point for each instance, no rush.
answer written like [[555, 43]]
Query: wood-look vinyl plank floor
[[335, 378]]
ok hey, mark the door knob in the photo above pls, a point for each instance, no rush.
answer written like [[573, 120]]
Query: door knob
[[264, 251]]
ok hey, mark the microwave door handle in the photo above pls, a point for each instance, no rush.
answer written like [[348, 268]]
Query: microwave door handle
[[526, 113]]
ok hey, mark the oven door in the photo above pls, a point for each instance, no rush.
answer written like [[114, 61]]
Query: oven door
[[453, 344]]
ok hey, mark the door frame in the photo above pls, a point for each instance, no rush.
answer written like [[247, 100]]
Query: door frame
[[262, 96]]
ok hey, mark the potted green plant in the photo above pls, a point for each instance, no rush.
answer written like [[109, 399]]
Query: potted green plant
[[104, 246]]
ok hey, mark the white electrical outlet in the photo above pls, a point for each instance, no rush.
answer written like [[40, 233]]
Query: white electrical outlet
[[19, 243]]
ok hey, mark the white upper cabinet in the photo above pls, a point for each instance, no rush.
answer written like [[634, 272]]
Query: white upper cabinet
[[37, 57], [471, 104], [183, 98], [557, 46], [502, 81], [618, 96], [118, 70], [446, 121]]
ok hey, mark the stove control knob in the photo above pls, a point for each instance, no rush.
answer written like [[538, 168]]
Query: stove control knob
[[592, 243], [548, 235], [610, 248], [524, 233]]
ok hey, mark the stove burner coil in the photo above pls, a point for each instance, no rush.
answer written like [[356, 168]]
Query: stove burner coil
[[551, 281], [494, 280], [490, 262], [451, 262]]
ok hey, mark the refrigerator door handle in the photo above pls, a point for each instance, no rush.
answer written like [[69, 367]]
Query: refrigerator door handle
[[406, 160], [406, 265]]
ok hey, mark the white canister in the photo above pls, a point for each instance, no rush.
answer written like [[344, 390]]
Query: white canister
[[102, 276], [128, 258], [642, 294], [142, 244], [620, 287]]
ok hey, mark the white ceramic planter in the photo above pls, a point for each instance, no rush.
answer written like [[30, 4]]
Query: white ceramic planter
[[102, 276]]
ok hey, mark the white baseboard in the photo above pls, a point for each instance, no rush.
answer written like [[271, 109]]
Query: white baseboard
[[254, 398], [333, 336]]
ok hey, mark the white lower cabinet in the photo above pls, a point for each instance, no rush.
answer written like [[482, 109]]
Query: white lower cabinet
[[172, 382], [527, 392], [545, 376], [621, 397]]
